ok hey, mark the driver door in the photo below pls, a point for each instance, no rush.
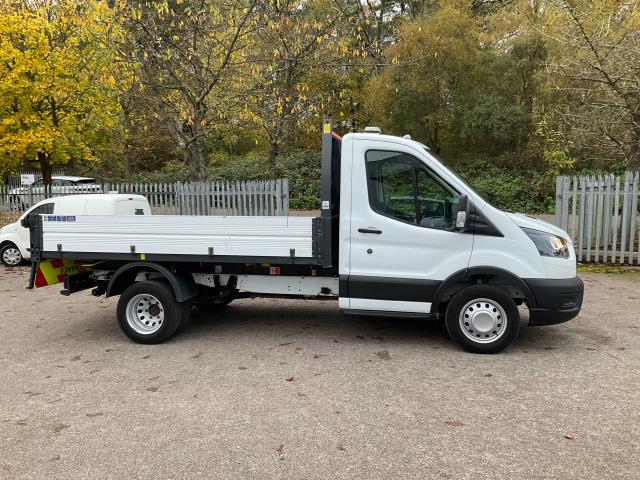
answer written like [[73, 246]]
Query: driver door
[[403, 241]]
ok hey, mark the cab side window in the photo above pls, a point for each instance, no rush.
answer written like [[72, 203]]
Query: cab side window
[[401, 187]]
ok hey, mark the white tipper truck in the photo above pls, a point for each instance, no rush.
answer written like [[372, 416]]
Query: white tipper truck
[[399, 235]]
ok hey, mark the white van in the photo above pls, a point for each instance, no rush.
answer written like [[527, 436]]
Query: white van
[[15, 239]]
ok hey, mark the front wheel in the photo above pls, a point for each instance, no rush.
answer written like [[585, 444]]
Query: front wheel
[[149, 313], [10, 255], [482, 319]]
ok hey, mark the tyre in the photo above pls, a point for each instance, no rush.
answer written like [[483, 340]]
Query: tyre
[[10, 255], [149, 313], [482, 319]]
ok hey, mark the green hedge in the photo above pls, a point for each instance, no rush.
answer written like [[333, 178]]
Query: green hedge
[[302, 168], [527, 191]]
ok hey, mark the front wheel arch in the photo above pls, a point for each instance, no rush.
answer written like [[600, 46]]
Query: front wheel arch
[[498, 277]]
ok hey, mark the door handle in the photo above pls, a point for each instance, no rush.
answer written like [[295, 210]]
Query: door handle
[[370, 230]]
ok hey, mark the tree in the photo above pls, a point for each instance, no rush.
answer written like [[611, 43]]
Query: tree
[[57, 101], [189, 57], [596, 65], [296, 63], [433, 71]]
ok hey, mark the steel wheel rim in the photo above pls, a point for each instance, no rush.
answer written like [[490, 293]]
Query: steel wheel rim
[[483, 320], [12, 256], [145, 314]]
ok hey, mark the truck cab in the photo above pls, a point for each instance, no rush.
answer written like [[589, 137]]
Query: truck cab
[[415, 239]]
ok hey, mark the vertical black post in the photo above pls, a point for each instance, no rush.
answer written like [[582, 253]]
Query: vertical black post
[[326, 169]]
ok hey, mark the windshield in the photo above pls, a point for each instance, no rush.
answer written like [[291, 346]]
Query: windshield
[[435, 158]]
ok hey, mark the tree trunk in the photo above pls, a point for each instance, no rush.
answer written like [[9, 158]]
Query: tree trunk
[[274, 150], [46, 170], [194, 157], [633, 156], [195, 147]]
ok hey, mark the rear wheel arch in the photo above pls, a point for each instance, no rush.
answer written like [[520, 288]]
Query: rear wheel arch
[[182, 283], [498, 277]]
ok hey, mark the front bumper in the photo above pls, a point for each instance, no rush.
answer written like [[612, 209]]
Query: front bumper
[[557, 300]]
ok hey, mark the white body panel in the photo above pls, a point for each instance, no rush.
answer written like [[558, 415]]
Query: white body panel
[[515, 252], [92, 204], [182, 235], [276, 285]]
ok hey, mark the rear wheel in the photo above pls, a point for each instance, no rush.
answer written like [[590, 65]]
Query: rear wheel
[[149, 313], [482, 319], [10, 255]]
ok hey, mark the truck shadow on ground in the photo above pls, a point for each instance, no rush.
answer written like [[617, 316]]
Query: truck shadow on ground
[[288, 320]]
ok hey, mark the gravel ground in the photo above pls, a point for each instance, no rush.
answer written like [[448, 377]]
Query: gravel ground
[[292, 389]]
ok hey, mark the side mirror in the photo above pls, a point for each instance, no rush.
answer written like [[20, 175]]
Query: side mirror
[[464, 213], [25, 222]]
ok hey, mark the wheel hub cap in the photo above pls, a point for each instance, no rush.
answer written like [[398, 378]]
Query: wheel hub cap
[[145, 314], [12, 256], [483, 320]]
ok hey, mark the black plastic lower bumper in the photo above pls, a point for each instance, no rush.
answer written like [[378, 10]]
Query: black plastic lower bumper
[[557, 300]]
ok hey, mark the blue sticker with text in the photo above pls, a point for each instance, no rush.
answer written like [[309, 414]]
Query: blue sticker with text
[[61, 218]]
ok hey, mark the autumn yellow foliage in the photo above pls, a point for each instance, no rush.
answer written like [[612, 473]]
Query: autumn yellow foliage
[[58, 100]]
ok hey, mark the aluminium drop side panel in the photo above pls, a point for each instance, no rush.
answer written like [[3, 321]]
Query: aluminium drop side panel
[[180, 235]]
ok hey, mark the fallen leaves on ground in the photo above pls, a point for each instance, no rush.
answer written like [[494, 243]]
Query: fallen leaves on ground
[[384, 355], [58, 427], [569, 436], [94, 414], [340, 447], [152, 389], [280, 451], [454, 423], [290, 378]]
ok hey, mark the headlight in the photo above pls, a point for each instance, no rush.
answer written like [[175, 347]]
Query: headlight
[[548, 245]]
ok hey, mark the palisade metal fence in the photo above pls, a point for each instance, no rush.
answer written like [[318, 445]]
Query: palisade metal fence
[[15, 180], [601, 215], [260, 197]]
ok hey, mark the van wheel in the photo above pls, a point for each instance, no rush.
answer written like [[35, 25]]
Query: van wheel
[[10, 255], [482, 319], [149, 313]]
